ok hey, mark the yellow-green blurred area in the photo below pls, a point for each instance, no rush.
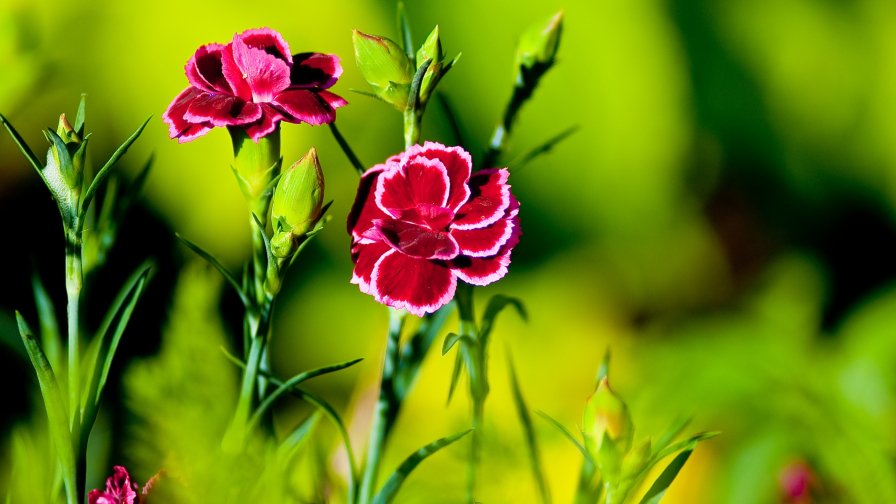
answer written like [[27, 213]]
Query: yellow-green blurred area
[[722, 220]]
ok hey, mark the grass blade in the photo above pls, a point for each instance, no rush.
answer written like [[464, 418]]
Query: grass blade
[[104, 171], [529, 431], [393, 484], [292, 382], [218, 266], [659, 487], [23, 146]]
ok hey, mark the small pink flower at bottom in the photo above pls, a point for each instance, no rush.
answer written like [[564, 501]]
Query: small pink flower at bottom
[[119, 489], [423, 220]]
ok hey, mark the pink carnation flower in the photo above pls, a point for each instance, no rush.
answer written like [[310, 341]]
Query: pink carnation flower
[[119, 489], [422, 220], [254, 83]]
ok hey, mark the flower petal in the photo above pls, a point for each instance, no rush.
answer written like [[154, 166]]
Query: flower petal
[[302, 105], [416, 240], [365, 256], [178, 126], [485, 270], [490, 198], [315, 70], [269, 41], [222, 110], [416, 181], [458, 164], [483, 242], [332, 99], [419, 286], [204, 69], [270, 117], [265, 73], [364, 210]]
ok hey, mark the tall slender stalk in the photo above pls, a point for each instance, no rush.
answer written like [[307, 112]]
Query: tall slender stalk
[[386, 408]]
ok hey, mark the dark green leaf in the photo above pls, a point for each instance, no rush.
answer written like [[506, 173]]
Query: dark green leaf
[[414, 94], [291, 383], [495, 306], [393, 484], [450, 340], [544, 148], [405, 29], [104, 171], [455, 375], [49, 326], [566, 433], [659, 487], [81, 116], [218, 266], [529, 431], [23, 146]]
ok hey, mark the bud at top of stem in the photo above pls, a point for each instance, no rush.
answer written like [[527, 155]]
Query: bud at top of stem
[[385, 66], [539, 43], [606, 414], [297, 202]]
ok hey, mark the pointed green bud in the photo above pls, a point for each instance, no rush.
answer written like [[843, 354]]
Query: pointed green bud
[[538, 44], [432, 50], [385, 66], [606, 414], [298, 199]]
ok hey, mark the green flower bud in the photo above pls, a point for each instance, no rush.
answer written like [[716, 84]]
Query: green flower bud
[[431, 50], [385, 66], [298, 199], [538, 44], [64, 171], [606, 414]]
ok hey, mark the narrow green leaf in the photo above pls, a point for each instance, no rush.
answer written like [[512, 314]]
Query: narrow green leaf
[[455, 376], [494, 307], [288, 447], [346, 149], [450, 340], [565, 432], [218, 266], [659, 487], [104, 171], [544, 148], [414, 94], [53, 401], [404, 27], [23, 146], [529, 432], [687, 444], [671, 433], [111, 330], [393, 484], [81, 116], [292, 382], [49, 325]]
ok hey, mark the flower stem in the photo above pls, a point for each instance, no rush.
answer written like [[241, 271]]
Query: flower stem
[[74, 278], [386, 408], [474, 357], [413, 117]]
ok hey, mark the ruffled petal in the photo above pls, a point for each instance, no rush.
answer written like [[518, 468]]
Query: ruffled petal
[[365, 256], [204, 70], [315, 70], [364, 210], [178, 126], [306, 106], [234, 74], [222, 110], [269, 41], [419, 286], [490, 198], [458, 165], [485, 270], [417, 241], [483, 242], [264, 126], [266, 74], [419, 181]]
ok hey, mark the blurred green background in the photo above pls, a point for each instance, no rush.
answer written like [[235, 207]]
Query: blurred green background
[[722, 220]]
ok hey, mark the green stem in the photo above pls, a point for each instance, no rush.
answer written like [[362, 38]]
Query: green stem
[[475, 361], [74, 278], [413, 117], [386, 408]]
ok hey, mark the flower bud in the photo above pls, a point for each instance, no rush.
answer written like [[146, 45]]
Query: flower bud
[[431, 50], [385, 66], [538, 44], [297, 200], [606, 414]]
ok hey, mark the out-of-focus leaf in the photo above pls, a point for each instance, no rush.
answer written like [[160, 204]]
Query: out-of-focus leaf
[[529, 431], [659, 487]]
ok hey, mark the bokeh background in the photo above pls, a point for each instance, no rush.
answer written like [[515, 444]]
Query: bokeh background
[[722, 220]]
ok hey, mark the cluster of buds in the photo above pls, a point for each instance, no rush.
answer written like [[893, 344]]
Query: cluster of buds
[[392, 72]]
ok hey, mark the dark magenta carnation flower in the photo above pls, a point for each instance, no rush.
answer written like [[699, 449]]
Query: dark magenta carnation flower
[[254, 82], [119, 489], [423, 220]]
